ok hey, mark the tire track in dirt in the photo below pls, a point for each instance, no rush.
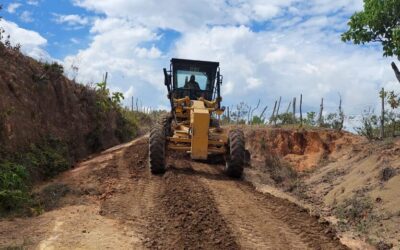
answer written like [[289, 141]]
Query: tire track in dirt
[[173, 211], [262, 221], [117, 203], [134, 206]]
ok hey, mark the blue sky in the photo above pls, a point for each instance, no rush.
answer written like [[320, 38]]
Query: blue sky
[[43, 21], [266, 49]]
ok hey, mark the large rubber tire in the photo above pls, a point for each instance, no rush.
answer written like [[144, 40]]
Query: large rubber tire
[[165, 122], [157, 150], [235, 157]]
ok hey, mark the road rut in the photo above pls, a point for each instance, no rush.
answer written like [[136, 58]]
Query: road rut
[[114, 202]]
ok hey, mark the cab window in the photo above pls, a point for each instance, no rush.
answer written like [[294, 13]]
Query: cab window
[[183, 76]]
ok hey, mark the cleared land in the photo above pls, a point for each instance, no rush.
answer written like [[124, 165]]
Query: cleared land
[[112, 201]]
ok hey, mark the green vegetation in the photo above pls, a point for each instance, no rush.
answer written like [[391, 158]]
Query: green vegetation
[[378, 22], [356, 212], [371, 125], [107, 99], [48, 158], [13, 187], [53, 68], [127, 125], [108, 104], [18, 170]]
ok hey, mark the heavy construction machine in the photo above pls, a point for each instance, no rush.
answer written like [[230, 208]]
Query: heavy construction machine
[[192, 126]]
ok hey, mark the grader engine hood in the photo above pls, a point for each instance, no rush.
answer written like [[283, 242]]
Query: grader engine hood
[[199, 122]]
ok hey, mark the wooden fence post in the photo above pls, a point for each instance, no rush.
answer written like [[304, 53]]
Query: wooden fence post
[[228, 114], [279, 105], [320, 112], [383, 114], [273, 114], [294, 109], [341, 114], [252, 110], [301, 112], [288, 107], [262, 113]]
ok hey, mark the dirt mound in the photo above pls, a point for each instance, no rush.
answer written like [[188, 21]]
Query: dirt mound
[[303, 149]]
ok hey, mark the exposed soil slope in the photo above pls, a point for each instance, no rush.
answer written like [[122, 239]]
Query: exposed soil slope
[[113, 202], [37, 101], [343, 177]]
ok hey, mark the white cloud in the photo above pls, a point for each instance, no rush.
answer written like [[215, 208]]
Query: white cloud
[[316, 67], [32, 42], [71, 20], [117, 48], [33, 2], [188, 15], [74, 40], [129, 93], [296, 49], [12, 7], [26, 16]]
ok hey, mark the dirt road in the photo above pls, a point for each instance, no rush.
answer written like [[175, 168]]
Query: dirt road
[[112, 202]]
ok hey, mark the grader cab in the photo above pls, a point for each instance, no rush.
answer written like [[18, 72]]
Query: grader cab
[[194, 91]]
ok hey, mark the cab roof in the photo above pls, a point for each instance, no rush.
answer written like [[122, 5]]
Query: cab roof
[[177, 61]]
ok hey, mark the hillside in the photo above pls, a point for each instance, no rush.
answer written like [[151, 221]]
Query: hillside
[[348, 180], [48, 122], [37, 101]]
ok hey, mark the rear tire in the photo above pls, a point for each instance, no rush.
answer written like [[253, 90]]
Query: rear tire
[[157, 150], [235, 157]]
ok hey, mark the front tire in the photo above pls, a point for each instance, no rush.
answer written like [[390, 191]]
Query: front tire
[[157, 150], [165, 122], [235, 157]]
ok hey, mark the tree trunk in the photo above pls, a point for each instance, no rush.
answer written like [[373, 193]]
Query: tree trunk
[[396, 71]]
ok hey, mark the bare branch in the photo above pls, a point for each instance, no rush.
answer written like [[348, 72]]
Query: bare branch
[[396, 71]]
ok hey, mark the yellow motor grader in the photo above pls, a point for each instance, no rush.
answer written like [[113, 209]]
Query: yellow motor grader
[[194, 91]]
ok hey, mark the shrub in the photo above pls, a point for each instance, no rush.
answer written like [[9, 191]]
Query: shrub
[[49, 197], [107, 100], [18, 170], [127, 125], [279, 170], [48, 158], [285, 119], [387, 173], [54, 68], [357, 211], [93, 139], [334, 121], [13, 187], [311, 119], [369, 127]]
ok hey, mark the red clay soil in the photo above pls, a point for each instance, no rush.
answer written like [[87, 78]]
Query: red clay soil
[[303, 149], [114, 202]]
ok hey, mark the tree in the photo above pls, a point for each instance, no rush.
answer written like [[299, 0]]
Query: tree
[[378, 22]]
